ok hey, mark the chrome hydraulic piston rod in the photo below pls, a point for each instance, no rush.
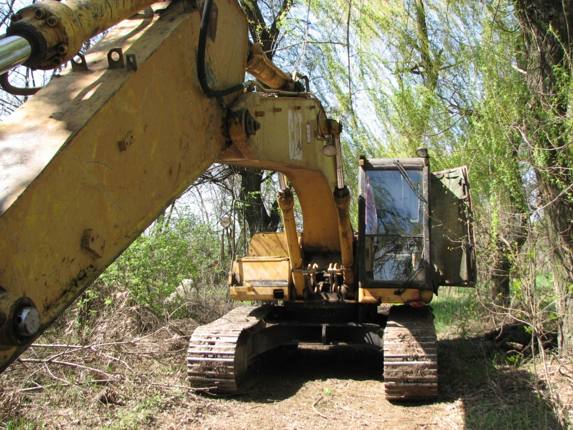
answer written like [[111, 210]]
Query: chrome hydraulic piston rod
[[14, 50]]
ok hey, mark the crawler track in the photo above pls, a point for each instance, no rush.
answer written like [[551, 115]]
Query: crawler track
[[410, 355], [217, 357]]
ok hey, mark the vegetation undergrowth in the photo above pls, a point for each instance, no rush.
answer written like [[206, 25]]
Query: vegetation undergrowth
[[456, 312], [134, 371]]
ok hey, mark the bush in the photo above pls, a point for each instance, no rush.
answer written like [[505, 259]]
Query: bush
[[155, 264]]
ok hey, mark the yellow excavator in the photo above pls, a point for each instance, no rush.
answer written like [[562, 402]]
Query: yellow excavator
[[96, 155]]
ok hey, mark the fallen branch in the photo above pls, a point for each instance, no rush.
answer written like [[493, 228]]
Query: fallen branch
[[118, 360], [67, 363], [69, 348], [317, 411], [57, 378], [55, 345], [564, 373], [39, 387], [183, 387]]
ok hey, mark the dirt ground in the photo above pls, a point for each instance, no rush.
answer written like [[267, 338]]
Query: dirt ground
[[140, 383], [318, 388]]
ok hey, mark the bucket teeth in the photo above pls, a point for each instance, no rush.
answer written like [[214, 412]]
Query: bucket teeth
[[410, 355]]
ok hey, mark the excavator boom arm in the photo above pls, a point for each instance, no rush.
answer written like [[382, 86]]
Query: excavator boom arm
[[93, 159]]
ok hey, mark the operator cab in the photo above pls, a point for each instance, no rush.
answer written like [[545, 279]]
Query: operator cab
[[414, 226], [395, 218]]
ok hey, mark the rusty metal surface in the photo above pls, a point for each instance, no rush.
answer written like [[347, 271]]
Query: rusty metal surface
[[262, 68], [105, 150], [410, 355]]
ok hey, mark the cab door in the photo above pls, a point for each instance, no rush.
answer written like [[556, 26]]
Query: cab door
[[452, 247]]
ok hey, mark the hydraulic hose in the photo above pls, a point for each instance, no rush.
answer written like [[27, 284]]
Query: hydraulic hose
[[201, 72]]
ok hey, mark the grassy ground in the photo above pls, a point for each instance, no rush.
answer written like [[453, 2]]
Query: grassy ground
[[496, 392], [457, 313], [132, 376]]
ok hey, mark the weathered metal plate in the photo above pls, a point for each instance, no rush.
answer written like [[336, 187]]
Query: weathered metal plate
[[290, 141], [254, 270], [272, 244], [452, 242]]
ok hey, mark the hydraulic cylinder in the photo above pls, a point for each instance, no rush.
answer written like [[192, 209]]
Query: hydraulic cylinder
[[46, 34]]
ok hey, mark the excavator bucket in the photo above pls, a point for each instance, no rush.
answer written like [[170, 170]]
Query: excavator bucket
[[452, 241]]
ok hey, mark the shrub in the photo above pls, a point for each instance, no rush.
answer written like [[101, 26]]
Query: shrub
[[168, 252]]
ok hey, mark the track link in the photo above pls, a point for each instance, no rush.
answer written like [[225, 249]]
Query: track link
[[217, 358], [410, 355]]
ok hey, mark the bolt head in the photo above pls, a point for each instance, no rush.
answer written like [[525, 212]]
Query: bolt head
[[27, 321], [52, 21], [62, 48], [39, 13]]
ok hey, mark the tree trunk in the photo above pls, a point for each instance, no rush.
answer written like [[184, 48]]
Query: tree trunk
[[545, 25], [500, 274], [254, 210]]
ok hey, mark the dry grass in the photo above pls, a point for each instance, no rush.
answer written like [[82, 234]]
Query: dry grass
[[556, 376], [91, 385], [107, 362]]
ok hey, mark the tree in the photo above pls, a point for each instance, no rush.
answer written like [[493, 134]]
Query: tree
[[546, 60], [440, 75]]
